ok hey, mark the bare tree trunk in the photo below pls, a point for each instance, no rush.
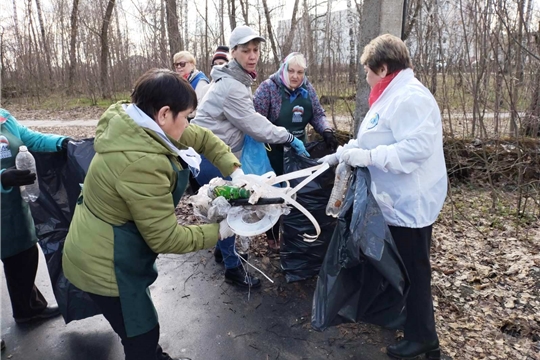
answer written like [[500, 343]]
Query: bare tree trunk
[[164, 56], [433, 46], [518, 79], [287, 45], [270, 32], [16, 23], [221, 22], [119, 48], [73, 45], [532, 125], [327, 42], [309, 41], [122, 71], [352, 42], [413, 7], [498, 73], [206, 54], [245, 10], [369, 30], [231, 4], [2, 64], [175, 40], [33, 41], [44, 40], [104, 59], [186, 24]]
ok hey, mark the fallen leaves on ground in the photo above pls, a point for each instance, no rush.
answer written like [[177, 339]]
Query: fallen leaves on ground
[[486, 278]]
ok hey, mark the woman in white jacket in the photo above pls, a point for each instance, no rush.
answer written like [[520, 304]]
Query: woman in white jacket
[[400, 141]]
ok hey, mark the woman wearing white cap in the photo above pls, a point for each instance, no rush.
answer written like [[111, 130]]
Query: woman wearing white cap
[[228, 111]]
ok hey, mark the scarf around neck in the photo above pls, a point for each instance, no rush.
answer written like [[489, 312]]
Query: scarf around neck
[[379, 88], [253, 74]]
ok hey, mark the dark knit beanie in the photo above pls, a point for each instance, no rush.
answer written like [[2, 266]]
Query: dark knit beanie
[[222, 52]]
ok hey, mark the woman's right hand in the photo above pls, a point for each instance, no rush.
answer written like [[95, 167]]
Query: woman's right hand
[[331, 160], [225, 230], [13, 177], [299, 147]]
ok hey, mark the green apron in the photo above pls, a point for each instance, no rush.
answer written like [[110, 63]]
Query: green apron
[[135, 269], [293, 116], [18, 231]]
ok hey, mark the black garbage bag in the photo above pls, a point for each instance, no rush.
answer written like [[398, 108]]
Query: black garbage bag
[[302, 260], [59, 178], [363, 277]]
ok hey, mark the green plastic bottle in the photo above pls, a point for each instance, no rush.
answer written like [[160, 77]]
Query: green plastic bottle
[[231, 192]]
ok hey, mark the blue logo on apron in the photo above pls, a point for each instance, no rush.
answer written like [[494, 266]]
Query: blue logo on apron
[[373, 121], [298, 111], [5, 151]]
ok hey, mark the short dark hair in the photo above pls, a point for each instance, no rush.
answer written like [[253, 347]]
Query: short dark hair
[[386, 49], [157, 88]]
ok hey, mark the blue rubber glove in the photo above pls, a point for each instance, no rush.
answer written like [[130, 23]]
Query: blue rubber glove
[[299, 147]]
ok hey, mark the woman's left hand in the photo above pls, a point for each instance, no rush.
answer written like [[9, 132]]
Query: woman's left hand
[[64, 145], [329, 137]]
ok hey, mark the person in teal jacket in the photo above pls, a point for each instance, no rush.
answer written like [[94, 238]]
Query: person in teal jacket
[[19, 251]]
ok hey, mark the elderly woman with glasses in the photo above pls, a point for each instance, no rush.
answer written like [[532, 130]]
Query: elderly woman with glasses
[[185, 65], [288, 99]]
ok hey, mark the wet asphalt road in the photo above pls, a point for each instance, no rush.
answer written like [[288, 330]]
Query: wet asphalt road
[[201, 317]]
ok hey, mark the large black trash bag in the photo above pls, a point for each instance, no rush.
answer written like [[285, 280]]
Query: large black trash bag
[[302, 260], [59, 178], [363, 277]]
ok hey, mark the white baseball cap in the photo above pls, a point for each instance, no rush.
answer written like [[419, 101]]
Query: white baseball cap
[[242, 35]]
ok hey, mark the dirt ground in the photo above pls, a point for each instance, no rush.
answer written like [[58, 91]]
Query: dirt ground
[[485, 261]]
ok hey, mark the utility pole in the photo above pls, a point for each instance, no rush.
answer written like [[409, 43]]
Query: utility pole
[[378, 17]]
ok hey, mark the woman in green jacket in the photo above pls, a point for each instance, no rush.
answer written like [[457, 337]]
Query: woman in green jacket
[[125, 215]]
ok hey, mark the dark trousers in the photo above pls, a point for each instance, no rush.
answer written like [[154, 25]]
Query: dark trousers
[[20, 271], [140, 347], [414, 248]]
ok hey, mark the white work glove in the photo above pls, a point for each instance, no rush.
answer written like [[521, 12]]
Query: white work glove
[[225, 230], [331, 160], [237, 177], [356, 157], [237, 173]]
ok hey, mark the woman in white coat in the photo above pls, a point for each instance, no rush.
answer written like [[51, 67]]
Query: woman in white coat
[[400, 141]]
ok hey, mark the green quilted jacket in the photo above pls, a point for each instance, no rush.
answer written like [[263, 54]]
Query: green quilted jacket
[[131, 179]]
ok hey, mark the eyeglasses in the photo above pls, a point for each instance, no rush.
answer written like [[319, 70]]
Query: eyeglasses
[[181, 64]]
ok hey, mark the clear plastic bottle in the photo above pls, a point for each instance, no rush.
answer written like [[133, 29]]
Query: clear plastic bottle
[[25, 161], [341, 184]]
